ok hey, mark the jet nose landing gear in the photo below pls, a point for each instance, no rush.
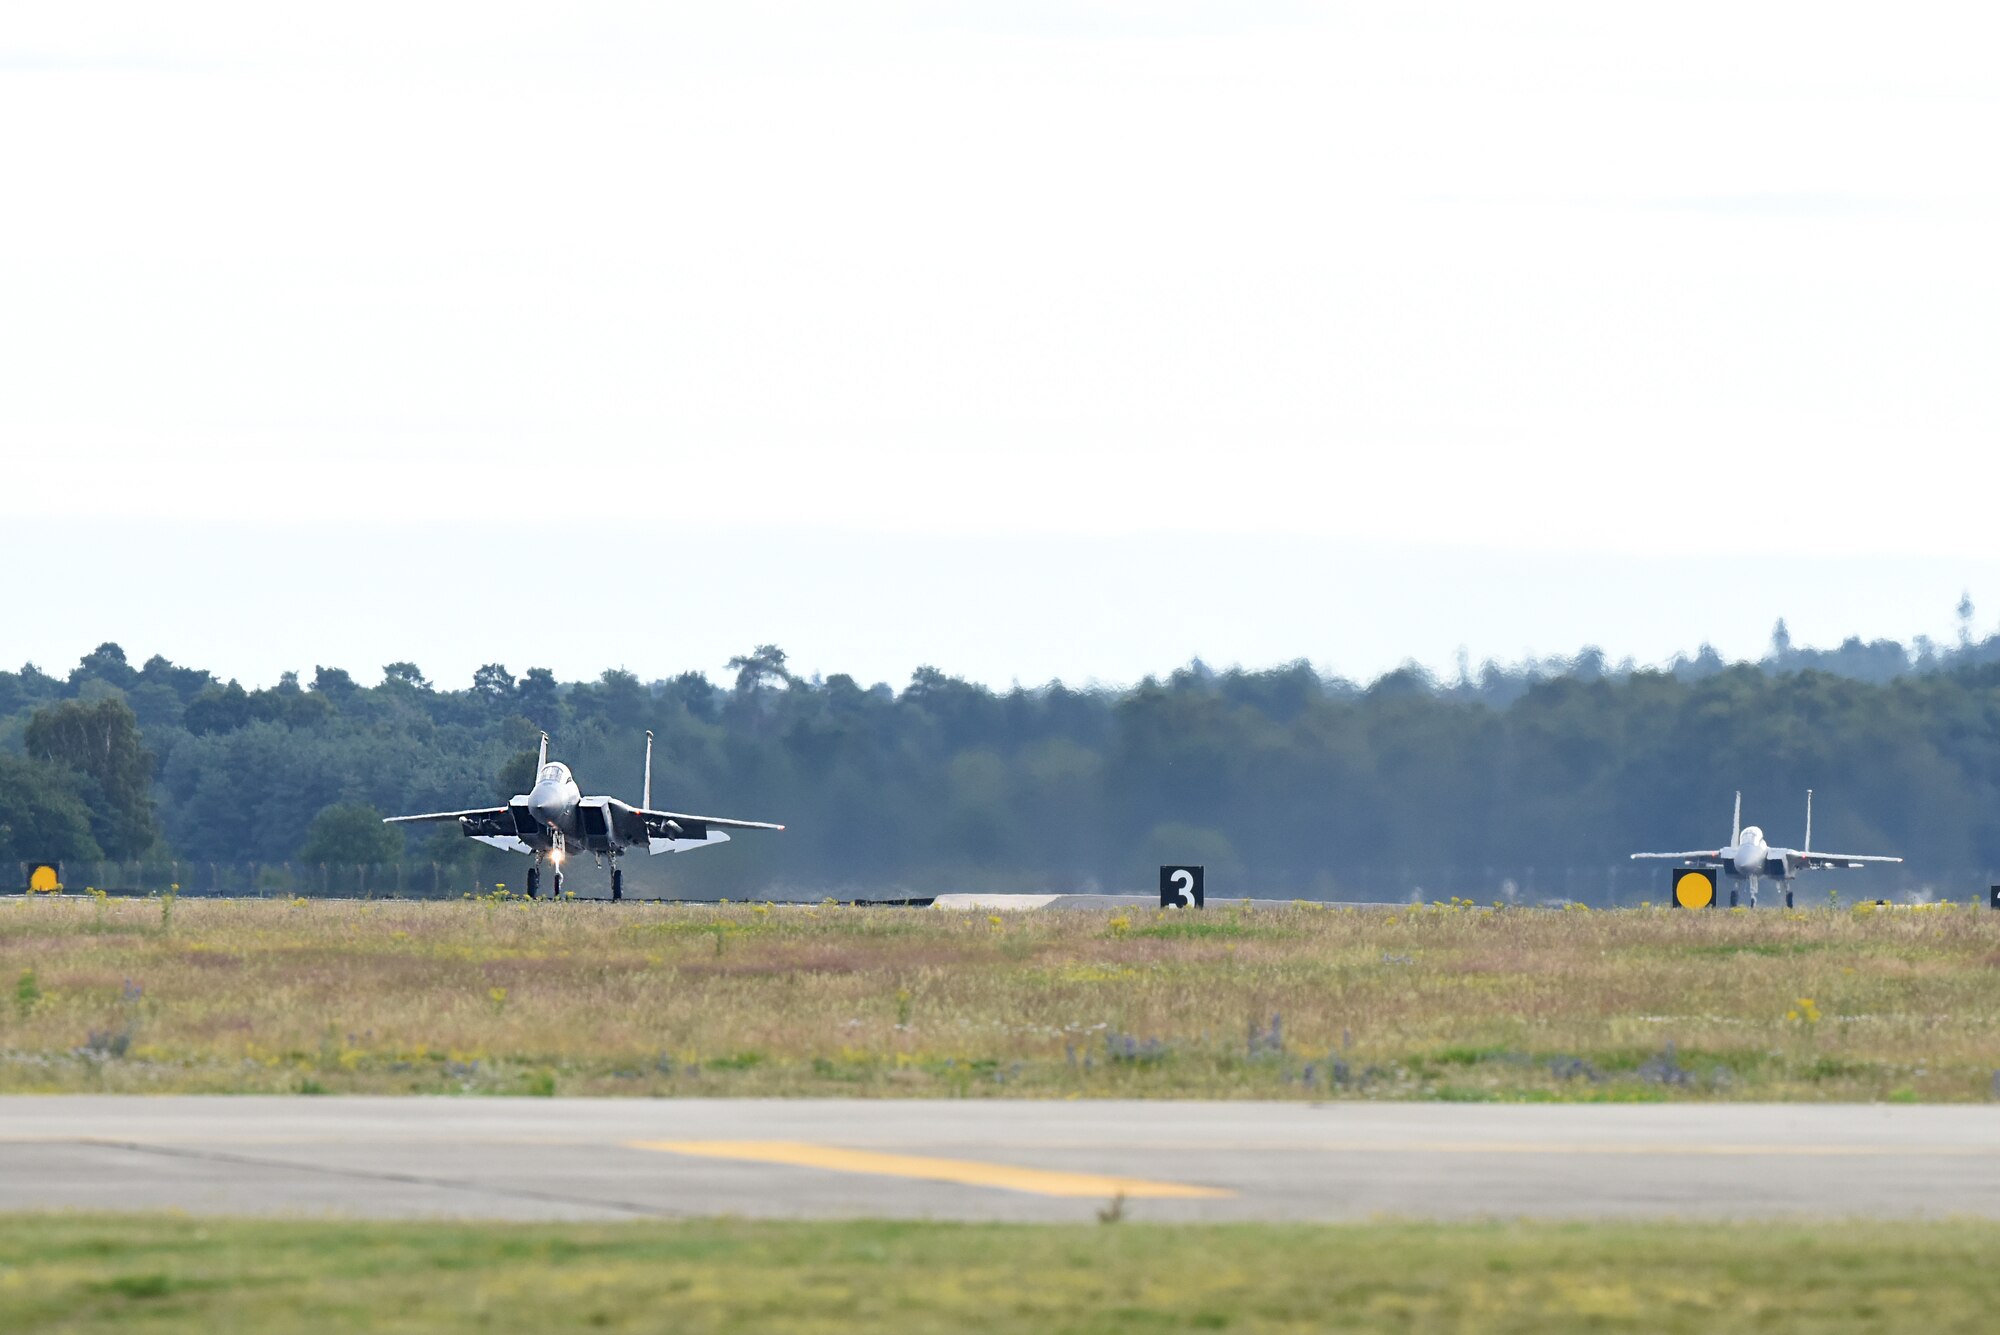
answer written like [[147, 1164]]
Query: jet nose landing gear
[[555, 880], [558, 853]]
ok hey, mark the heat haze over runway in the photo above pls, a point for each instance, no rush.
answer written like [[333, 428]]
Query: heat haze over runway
[[990, 1160]]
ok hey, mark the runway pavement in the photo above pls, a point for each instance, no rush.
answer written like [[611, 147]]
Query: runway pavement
[[990, 1159]]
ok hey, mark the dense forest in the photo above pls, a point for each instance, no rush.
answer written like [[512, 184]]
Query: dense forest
[[1534, 781]]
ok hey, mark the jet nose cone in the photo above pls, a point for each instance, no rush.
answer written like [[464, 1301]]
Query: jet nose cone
[[545, 804]]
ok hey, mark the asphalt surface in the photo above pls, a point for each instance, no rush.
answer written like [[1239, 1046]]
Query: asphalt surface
[[536, 1159]]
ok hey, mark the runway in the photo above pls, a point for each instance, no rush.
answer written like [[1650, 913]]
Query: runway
[[533, 1159]]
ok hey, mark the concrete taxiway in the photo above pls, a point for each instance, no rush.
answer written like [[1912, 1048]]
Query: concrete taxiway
[[997, 1159]]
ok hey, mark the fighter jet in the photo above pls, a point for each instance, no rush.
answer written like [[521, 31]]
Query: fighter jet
[[555, 821], [1749, 858]]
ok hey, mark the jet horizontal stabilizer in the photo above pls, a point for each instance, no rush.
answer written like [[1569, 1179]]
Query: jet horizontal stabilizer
[[708, 839]]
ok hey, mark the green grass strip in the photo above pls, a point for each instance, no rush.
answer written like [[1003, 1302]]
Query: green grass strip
[[79, 1273]]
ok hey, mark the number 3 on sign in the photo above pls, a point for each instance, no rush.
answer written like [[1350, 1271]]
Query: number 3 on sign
[[1180, 887]]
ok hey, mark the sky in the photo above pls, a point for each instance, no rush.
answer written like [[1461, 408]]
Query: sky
[[1028, 340]]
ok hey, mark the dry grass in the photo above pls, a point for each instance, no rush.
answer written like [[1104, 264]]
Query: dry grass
[[1286, 1001]]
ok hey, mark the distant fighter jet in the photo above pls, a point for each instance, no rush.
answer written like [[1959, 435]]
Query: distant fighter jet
[[1749, 858], [556, 820]]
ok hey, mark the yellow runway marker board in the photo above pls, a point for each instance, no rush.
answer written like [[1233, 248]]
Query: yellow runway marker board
[[1694, 888], [44, 878], [963, 1172]]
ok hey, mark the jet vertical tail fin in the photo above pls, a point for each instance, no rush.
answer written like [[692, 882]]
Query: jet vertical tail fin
[[542, 758], [646, 793], [1808, 847], [1736, 821]]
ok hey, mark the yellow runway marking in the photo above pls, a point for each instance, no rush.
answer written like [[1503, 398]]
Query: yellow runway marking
[[964, 1172], [763, 1149]]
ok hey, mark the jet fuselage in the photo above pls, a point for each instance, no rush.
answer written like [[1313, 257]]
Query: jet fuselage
[[554, 800], [1750, 856]]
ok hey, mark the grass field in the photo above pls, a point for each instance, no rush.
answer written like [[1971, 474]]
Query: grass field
[[83, 1273], [506, 997]]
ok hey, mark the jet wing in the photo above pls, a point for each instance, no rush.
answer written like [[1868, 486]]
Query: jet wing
[[677, 824], [677, 831], [1822, 861], [1695, 855], [445, 815]]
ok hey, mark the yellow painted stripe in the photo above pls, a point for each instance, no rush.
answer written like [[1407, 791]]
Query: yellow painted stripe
[[1665, 1148], [964, 1172], [1696, 1149]]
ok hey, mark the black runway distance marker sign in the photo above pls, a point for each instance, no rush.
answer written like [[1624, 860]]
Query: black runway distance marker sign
[[1694, 888], [1180, 887]]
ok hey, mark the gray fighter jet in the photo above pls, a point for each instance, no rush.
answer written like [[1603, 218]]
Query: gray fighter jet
[[1748, 857], [556, 821]]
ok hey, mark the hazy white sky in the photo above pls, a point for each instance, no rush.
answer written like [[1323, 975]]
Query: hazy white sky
[[1072, 339]]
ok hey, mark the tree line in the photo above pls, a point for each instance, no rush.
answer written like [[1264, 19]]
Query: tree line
[[1283, 781]]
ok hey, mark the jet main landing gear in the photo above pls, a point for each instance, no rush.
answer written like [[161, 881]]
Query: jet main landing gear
[[617, 884], [534, 881]]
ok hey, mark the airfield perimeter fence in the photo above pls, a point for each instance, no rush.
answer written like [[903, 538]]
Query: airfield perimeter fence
[[1616, 885]]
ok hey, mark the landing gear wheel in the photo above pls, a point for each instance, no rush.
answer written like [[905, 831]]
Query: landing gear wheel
[[1788, 899], [555, 886], [534, 881], [1732, 899], [617, 884]]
